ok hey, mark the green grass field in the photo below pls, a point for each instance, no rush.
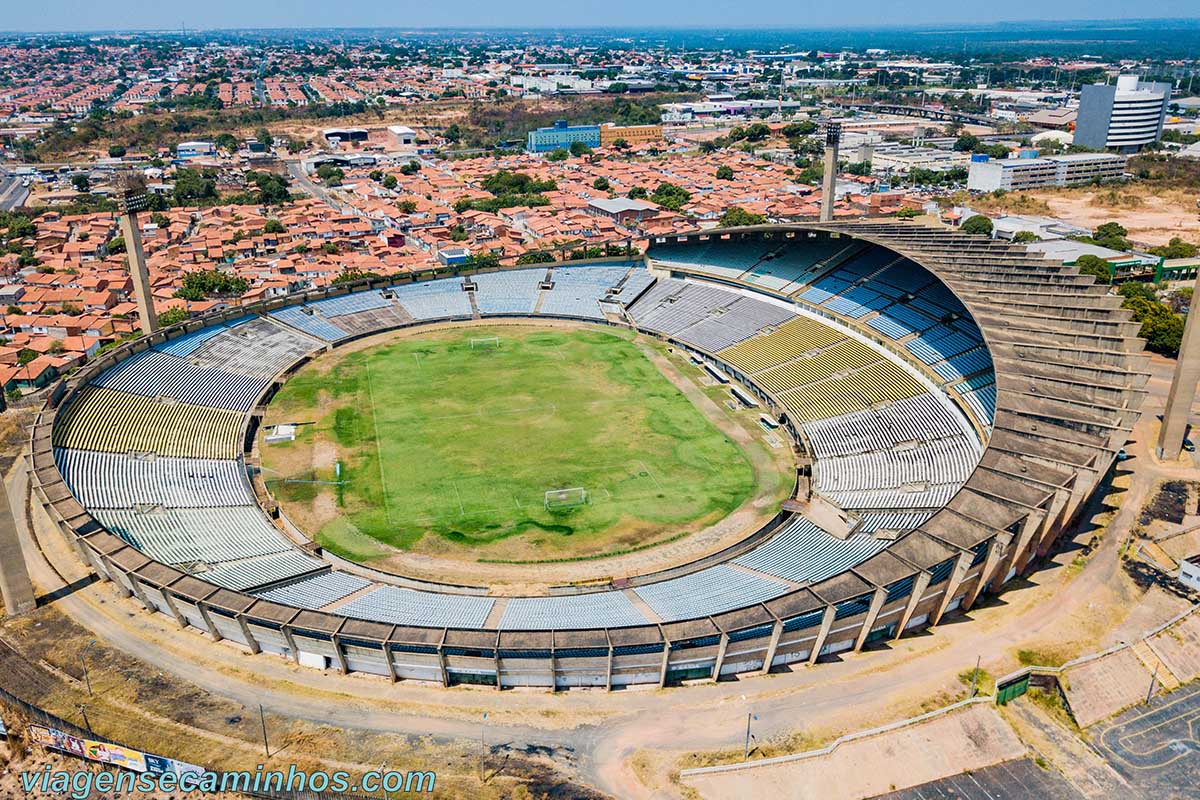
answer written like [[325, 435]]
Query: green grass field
[[428, 444]]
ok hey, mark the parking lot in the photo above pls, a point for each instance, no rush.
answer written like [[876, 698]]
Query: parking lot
[[1013, 780], [1156, 747]]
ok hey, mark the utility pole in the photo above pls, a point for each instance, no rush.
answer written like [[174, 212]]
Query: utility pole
[[1153, 681], [749, 716], [975, 677], [86, 722], [262, 718], [87, 681]]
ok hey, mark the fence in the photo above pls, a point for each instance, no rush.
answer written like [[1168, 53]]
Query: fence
[[39, 716]]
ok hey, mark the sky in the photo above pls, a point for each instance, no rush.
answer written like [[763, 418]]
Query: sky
[[84, 15]]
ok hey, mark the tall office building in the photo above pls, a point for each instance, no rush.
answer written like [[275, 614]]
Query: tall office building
[[1125, 117]]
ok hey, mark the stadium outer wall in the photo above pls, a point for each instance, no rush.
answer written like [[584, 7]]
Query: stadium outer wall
[[1069, 373]]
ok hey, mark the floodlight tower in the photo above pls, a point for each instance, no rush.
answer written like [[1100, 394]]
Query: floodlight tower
[[833, 137], [1183, 387], [133, 199]]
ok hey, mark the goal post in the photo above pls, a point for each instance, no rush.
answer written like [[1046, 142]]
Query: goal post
[[485, 343], [565, 498]]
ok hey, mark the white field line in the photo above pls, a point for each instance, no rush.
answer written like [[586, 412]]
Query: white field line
[[387, 506]]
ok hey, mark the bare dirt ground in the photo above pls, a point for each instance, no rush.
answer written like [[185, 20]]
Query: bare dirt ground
[[1152, 214], [970, 738]]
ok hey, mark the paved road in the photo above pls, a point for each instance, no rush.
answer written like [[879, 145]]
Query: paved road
[[1012, 780], [12, 193], [302, 181], [1157, 746]]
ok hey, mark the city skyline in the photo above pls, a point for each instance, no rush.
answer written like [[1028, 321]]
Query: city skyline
[[64, 16]]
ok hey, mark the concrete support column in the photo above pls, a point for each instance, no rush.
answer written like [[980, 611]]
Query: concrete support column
[[608, 672], [251, 642], [341, 657], [721, 648], [287, 634], [826, 624], [1183, 390], [877, 600], [390, 661], [776, 633], [952, 583], [919, 586], [662, 675]]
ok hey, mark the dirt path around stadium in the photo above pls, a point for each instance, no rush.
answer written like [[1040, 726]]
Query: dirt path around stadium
[[608, 733]]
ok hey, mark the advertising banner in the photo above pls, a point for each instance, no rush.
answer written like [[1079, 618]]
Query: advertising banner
[[57, 740], [116, 755]]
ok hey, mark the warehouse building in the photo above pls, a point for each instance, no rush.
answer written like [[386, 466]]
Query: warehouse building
[[988, 175]]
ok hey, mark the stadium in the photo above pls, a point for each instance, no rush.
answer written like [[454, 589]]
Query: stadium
[[951, 403]]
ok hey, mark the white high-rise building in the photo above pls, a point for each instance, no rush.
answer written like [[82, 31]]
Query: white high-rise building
[[1125, 117]]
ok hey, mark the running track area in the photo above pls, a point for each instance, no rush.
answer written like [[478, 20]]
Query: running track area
[[1013, 780], [1156, 747]]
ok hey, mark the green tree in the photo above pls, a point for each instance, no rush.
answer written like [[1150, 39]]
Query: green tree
[[199, 285], [1094, 265], [736, 217], [407, 206], [558, 154], [966, 143], [977, 225], [637, 193], [578, 149], [173, 316], [330, 175], [354, 275], [274, 226], [620, 144], [390, 181], [670, 196], [1176, 248], [724, 173], [908, 213], [535, 257], [81, 183], [116, 151], [1025, 237], [115, 245], [600, 183], [265, 138], [191, 184]]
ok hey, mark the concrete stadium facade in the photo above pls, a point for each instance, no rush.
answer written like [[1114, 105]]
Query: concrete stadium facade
[[1069, 373]]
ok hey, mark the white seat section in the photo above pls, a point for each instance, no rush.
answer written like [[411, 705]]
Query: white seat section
[[121, 480], [259, 348], [151, 373], [187, 536], [249, 573], [508, 292], [593, 610], [315, 591]]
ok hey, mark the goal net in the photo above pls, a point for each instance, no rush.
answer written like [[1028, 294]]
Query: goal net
[[566, 498], [486, 343]]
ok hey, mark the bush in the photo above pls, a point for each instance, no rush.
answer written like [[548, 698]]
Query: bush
[[173, 316], [1025, 237], [737, 217], [1096, 266], [978, 225]]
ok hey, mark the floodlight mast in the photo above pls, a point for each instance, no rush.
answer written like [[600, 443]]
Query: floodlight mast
[[133, 198]]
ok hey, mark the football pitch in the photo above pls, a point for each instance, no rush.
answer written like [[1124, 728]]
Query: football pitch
[[450, 441]]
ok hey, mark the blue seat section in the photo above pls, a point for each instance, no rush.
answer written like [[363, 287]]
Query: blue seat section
[[965, 364], [578, 291], [311, 324], [508, 292], [709, 591], [350, 304], [804, 553], [440, 299], [595, 610], [411, 607], [940, 343], [187, 344]]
